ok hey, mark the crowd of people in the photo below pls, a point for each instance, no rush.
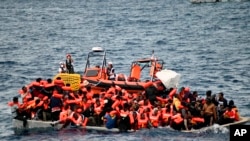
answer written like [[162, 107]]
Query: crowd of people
[[114, 107]]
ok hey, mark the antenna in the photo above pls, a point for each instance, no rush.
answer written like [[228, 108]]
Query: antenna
[[152, 57]]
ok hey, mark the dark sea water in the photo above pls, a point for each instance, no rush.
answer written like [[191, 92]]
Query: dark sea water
[[208, 44]]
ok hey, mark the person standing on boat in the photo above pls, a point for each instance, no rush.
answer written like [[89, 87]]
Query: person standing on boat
[[69, 64], [111, 71]]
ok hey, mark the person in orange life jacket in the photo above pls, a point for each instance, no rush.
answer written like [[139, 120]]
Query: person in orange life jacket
[[25, 94], [167, 113], [111, 71], [58, 82], [111, 119], [62, 68], [75, 119], [143, 121], [55, 105], [230, 115], [37, 109], [177, 122], [234, 108], [89, 113], [14, 107], [46, 109], [98, 108], [64, 115], [36, 88], [134, 125], [48, 88], [124, 120], [16, 113], [154, 117]]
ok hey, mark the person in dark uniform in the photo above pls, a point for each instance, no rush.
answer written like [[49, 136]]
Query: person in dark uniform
[[69, 64]]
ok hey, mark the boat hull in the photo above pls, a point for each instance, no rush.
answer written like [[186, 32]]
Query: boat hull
[[243, 120], [132, 87], [38, 124]]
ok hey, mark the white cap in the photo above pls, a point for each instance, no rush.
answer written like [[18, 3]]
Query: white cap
[[110, 63], [105, 101]]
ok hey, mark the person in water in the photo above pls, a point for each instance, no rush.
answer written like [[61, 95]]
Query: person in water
[[111, 71], [69, 64]]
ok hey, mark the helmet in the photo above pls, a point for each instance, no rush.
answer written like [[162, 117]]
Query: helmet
[[68, 55], [110, 63]]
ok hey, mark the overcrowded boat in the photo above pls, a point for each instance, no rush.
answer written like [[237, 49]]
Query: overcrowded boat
[[102, 100]]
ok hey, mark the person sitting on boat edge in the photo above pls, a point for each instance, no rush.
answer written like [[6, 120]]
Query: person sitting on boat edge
[[69, 64], [230, 115], [110, 119], [15, 111], [111, 71]]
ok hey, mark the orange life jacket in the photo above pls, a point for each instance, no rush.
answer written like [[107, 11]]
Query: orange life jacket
[[237, 115], [59, 83], [197, 120], [142, 123], [177, 118], [230, 114]]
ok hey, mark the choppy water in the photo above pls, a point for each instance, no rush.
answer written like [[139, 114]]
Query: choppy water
[[208, 44]]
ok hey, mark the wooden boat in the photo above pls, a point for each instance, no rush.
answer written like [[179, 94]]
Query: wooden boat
[[38, 124]]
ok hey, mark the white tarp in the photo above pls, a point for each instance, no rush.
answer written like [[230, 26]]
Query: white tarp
[[169, 78]]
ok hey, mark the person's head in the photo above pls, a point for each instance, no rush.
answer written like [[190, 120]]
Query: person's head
[[24, 88], [220, 95], [15, 99], [195, 94], [39, 79], [110, 64], [231, 103], [68, 56], [209, 93], [49, 80]]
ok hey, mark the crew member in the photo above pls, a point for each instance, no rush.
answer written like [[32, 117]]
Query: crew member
[[69, 64], [111, 71]]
